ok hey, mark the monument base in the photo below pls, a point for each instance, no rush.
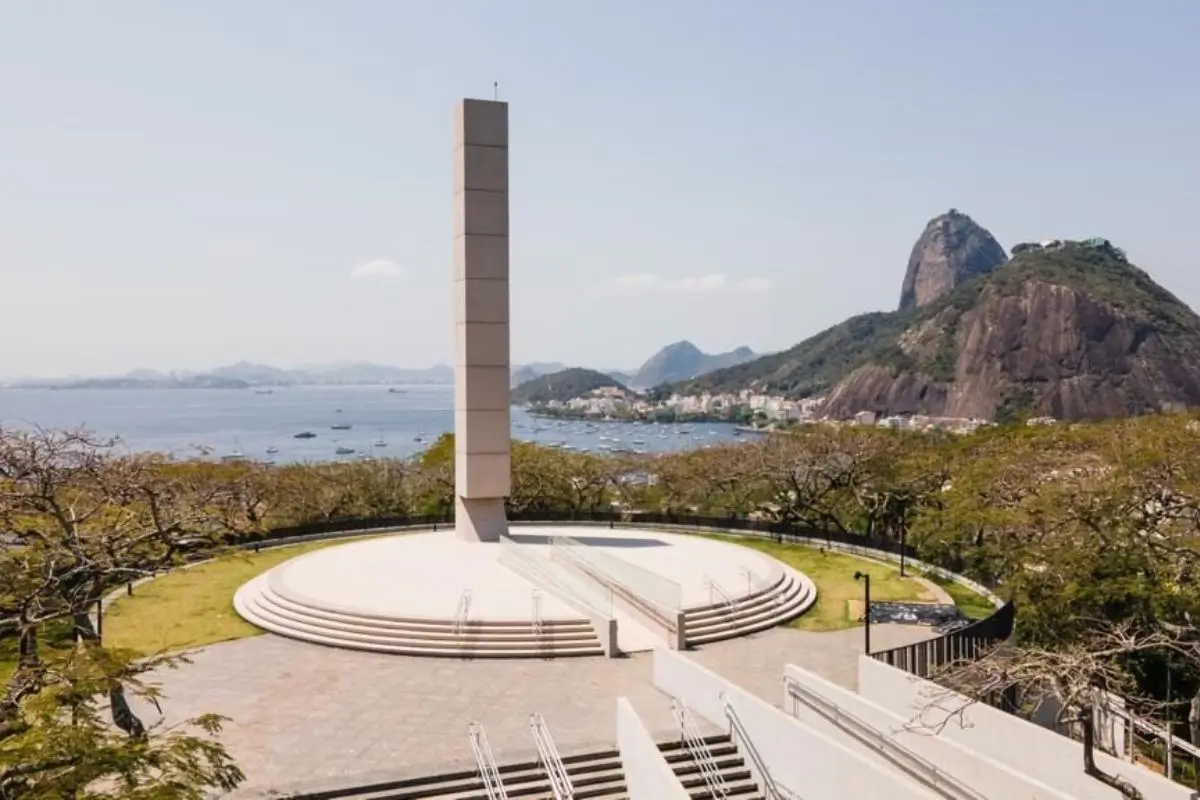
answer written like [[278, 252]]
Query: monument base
[[479, 519]]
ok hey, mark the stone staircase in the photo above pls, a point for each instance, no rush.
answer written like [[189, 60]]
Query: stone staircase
[[272, 608], [594, 776], [786, 596]]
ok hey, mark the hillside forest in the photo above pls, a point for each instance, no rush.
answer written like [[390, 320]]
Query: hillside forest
[[1092, 529]]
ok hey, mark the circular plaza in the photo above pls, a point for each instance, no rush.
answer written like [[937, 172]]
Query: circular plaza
[[541, 591]]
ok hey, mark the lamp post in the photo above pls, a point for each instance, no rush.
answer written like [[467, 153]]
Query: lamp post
[[903, 536], [866, 579]]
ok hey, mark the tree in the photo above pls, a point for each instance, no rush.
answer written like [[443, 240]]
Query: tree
[[84, 519]]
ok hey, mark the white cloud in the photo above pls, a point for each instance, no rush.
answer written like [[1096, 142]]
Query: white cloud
[[377, 268], [714, 282], [752, 285]]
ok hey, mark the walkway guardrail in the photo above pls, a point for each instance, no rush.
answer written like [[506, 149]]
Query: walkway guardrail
[[718, 595], [698, 748], [650, 586], [463, 612], [550, 576], [556, 771], [772, 790], [485, 762], [919, 768]]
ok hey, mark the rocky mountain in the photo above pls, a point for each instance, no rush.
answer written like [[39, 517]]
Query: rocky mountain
[[683, 360], [562, 386], [1069, 329], [520, 373], [952, 249]]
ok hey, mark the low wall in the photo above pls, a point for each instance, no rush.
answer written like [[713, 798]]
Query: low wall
[[986, 776], [809, 764], [648, 776], [1043, 755]]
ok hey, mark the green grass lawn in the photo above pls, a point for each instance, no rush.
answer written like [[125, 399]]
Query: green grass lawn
[[193, 607], [839, 597], [969, 602]]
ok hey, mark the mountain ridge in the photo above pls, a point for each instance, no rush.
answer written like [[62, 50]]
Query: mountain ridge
[[1070, 330], [683, 360]]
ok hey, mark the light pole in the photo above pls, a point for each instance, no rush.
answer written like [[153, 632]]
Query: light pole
[[866, 579], [903, 532]]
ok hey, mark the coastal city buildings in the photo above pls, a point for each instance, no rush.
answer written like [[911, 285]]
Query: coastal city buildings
[[753, 408]]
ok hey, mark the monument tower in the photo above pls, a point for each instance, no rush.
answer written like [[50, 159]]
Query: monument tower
[[482, 428]]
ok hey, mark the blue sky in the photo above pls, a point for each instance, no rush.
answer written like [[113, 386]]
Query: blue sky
[[188, 184]]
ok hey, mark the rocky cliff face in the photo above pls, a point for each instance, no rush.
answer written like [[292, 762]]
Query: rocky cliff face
[[1071, 331], [952, 249]]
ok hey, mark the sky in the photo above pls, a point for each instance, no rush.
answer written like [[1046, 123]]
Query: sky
[[184, 185]]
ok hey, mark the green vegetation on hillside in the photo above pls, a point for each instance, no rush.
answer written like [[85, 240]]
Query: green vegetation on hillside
[[924, 341], [561, 386]]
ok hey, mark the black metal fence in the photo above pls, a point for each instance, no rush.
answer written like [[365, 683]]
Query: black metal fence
[[965, 644], [780, 531]]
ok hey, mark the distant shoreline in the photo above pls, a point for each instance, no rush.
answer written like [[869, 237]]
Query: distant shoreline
[[228, 386]]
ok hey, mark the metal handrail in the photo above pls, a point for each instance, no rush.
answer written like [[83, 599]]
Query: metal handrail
[[771, 789], [462, 612], [556, 771], [919, 768], [489, 773], [536, 615], [699, 750], [715, 589]]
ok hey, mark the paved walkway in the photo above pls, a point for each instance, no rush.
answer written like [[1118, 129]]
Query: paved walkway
[[306, 715]]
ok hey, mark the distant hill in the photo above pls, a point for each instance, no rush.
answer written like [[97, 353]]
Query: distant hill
[[1069, 330], [562, 386], [683, 360], [520, 373], [952, 249], [245, 374]]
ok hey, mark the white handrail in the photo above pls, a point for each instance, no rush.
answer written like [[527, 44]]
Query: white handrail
[[699, 750], [716, 590], [536, 616], [921, 769], [489, 773], [556, 771], [771, 789], [462, 612]]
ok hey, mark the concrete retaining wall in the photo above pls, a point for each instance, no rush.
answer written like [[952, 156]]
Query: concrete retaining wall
[[802, 760], [648, 776], [1041, 754], [986, 776]]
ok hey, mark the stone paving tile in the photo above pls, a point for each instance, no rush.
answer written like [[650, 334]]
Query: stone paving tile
[[303, 714]]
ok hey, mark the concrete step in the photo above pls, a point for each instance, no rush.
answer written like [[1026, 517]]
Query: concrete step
[[471, 642], [269, 604], [719, 608], [790, 598]]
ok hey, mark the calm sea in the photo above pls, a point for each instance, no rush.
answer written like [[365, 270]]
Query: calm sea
[[220, 422]]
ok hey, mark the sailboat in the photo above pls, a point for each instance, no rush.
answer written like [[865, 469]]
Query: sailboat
[[272, 450], [381, 442], [236, 454]]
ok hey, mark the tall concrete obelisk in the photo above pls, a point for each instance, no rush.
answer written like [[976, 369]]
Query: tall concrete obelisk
[[482, 432]]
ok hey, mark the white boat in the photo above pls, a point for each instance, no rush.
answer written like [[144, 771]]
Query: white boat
[[272, 450]]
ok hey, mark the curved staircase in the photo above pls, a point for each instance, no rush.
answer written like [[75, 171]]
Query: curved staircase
[[786, 594], [268, 605]]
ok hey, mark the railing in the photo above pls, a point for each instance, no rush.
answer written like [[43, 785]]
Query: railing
[[698, 748], [717, 594], [556, 771], [771, 789], [535, 615], [463, 612], [655, 590], [542, 572], [965, 644], [489, 773], [919, 768]]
